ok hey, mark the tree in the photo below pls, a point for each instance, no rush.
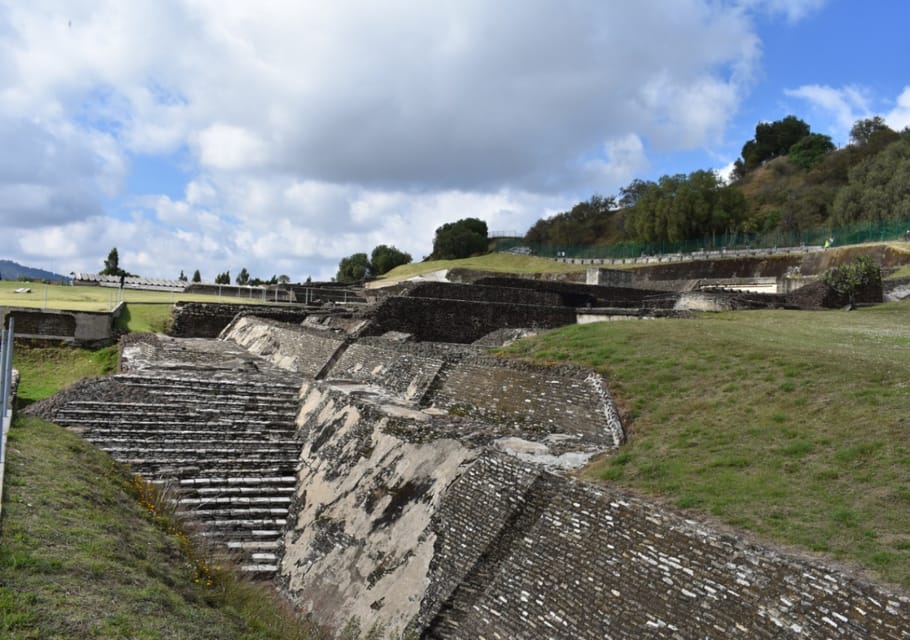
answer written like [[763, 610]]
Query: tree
[[223, 278], [865, 131], [243, 278], [809, 151], [112, 265], [385, 258], [464, 238], [283, 279], [181, 277], [772, 139], [354, 268], [849, 279], [197, 277]]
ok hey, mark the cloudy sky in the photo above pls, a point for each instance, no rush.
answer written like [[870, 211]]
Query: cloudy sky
[[282, 135]]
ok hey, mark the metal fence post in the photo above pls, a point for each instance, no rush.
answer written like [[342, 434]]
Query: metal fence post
[[6, 374]]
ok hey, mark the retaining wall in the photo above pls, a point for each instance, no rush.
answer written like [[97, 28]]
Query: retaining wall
[[82, 328], [460, 321], [208, 320], [412, 522]]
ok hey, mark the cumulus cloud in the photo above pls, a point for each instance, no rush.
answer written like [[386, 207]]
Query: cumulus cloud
[[899, 117], [315, 129], [843, 106]]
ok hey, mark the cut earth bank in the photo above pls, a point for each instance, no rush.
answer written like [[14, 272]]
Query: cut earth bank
[[431, 497]]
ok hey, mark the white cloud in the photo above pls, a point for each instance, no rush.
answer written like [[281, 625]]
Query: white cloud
[[843, 107], [792, 10], [313, 130], [899, 117]]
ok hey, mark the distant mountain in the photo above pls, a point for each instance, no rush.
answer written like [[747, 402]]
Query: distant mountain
[[10, 270]]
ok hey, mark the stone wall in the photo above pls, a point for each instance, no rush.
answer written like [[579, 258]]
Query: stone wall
[[562, 559], [306, 351], [460, 321], [586, 295], [478, 293], [414, 521], [207, 320], [82, 328]]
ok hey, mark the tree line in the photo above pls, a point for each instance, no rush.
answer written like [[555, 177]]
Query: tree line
[[787, 179]]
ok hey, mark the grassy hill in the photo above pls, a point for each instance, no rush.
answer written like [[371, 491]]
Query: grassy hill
[[792, 425], [87, 551]]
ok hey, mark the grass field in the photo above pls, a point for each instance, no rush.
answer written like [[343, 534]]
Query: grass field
[[794, 425], [58, 296], [87, 552], [497, 262]]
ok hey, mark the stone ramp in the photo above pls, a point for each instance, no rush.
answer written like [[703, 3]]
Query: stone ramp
[[212, 426]]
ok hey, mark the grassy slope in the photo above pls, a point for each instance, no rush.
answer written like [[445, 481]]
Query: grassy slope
[[81, 557], [95, 298], [791, 424], [497, 262]]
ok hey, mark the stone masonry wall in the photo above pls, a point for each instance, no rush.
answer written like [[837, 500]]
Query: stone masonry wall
[[290, 347], [405, 372], [460, 321], [445, 520], [563, 559], [502, 294], [207, 320]]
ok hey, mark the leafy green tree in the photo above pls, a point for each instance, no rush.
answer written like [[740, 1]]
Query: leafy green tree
[[464, 238], [772, 139], [283, 279], [678, 208], [867, 130], [182, 277], [354, 268], [385, 258], [243, 278], [586, 223], [112, 264], [223, 278], [197, 277], [809, 151], [878, 187], [850, 278]]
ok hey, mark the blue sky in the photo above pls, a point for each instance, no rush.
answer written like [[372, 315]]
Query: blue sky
[[283, 136]]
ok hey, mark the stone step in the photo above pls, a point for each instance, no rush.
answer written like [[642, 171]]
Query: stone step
[[234, 500], [272, 436], [220, 385], [203, 514], [263, 545], [129, 413], [259, 568], [166, 469], [104, 441], [238, 480], [250, 453]]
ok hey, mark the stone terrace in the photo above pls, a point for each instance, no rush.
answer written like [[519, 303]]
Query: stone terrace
[[211, 426]]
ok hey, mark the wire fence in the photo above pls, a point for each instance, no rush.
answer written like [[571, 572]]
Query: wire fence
[[850, 234]]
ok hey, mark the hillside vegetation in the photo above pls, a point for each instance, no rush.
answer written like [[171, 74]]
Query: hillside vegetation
[[793, 425], [87, 551], [790, 186]]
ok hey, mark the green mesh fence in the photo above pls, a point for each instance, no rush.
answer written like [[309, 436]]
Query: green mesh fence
[[851, 234]]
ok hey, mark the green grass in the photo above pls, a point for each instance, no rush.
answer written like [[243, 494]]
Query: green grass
[[86, 553], [45, 370], [496, 262], [58, 296], [80, 557], [794, 425]]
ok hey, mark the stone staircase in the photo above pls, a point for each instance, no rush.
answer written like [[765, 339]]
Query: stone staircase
[[225, 449]]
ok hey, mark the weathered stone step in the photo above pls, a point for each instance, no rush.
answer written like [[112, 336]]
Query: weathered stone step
[[234, 500], [239, 480], [252, 453], [269, 388], [233, 514], [108, 443], [263, 545], [271, 436]]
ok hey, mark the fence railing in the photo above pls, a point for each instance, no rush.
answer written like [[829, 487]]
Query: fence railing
[[6, 369], [6, 391], [872, 231]]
